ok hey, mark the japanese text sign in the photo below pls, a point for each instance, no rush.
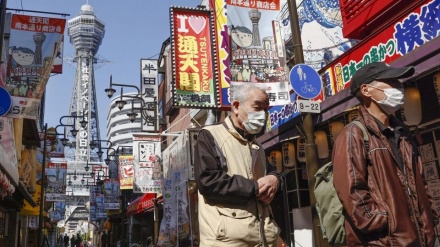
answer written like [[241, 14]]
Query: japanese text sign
[[256, 4], [195, 83], [34, 44], [146, 164], [149, 89], [411, 31]]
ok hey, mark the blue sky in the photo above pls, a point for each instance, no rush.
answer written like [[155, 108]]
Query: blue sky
[[134, 29]]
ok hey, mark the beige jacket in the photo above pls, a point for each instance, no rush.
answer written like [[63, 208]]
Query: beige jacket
[[226, 178]]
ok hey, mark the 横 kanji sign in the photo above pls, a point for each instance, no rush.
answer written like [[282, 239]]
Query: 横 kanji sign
[[411, 31]]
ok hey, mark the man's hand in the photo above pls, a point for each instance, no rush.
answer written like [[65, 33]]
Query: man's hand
[[267, 187]]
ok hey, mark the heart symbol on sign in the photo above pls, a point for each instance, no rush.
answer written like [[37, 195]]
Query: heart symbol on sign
[[197, 23]]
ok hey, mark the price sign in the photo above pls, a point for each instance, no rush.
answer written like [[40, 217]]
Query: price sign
[[308, 106]]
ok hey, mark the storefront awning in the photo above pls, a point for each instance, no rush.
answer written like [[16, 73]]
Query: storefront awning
[[141, 204]]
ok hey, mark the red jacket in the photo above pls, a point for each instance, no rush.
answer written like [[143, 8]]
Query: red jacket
[[380, 199]]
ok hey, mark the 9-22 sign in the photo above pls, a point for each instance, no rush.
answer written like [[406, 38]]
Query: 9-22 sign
[[308, 106]]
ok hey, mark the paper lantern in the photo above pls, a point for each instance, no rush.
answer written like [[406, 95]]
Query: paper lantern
[[322, 143], [275, 159], [412, 108], [301, 149], [335, 128], [288, 151], [353, 115]]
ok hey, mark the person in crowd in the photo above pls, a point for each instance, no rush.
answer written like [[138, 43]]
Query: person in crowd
[[73, 241], [104, 239], [380, 183], [78, 240], [66, 240], [230, 170]]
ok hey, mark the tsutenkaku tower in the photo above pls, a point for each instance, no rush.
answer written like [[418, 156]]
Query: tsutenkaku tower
[[86, 32]]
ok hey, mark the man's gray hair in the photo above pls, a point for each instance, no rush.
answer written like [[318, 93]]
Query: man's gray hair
[[241, 91]]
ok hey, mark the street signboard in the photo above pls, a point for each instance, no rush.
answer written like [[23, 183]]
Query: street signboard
[[305, 81], [5, 101], [308, 106]]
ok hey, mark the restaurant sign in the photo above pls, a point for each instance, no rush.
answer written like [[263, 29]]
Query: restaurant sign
[[412, 31]]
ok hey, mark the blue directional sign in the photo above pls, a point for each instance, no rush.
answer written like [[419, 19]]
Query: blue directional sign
[[5, 101], [305, 81]]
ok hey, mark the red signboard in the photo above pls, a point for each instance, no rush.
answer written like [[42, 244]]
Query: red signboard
[[193, 63], [413, 30], [141, 204], [356, 14]]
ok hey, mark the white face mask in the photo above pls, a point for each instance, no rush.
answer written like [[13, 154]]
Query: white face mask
[[255, 121], [393, 101]]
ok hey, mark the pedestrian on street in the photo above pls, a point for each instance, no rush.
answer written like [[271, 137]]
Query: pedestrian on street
[[72, 241], [230, 170], [380, 183], [104, 240], [78, 240], [66, 240]]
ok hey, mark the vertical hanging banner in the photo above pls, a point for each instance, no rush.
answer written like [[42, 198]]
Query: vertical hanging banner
[[111, 194], [195, 81], [56, 182], [93, 192], [57, 67], [126, 172], [223, 50], [34, 44], [180, 184], [97, 207], [149, 89], [146, 160], [169, 218]]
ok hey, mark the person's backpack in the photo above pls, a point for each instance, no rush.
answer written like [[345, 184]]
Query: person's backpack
[[328, 206]]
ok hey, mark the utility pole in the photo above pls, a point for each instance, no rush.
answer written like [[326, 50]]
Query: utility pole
[[2, 26], [43, 187], [311, 147]]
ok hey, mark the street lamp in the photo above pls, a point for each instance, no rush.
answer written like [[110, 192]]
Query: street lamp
[[73, 131], [97, 143], [146, 106]]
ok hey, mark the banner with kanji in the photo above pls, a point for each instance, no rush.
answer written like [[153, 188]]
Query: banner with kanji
[[111, 194], [175, 223], [194, 73], [149, 88], [56, 182], [146, 163], [126, 172], [33, 45]]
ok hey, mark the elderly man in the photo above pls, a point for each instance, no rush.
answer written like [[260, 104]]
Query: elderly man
[[230, 170]]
